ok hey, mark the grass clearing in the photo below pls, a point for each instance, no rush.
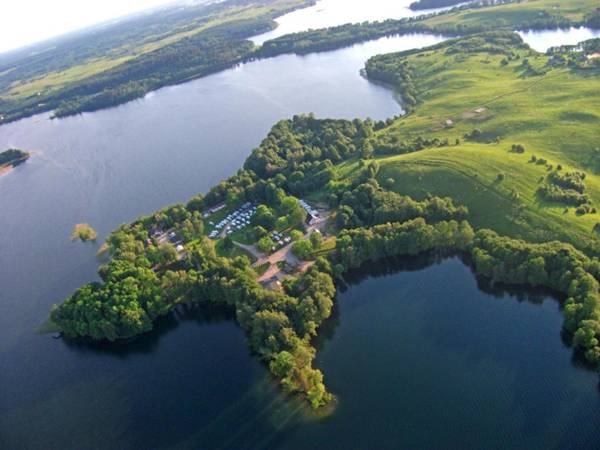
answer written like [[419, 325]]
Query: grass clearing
[[509, 106]]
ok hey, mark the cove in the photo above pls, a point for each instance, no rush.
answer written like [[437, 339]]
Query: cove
[[423, 355], [420, 353]]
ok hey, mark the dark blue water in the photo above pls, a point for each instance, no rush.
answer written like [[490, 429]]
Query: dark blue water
[[422, 355]]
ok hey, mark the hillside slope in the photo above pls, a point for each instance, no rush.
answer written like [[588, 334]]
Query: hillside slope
[[483, 94]]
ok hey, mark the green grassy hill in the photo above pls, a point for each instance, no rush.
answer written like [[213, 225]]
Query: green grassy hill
[[518, 14], [511, 96]]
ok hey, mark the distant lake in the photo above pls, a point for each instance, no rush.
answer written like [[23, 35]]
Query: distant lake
[[419, 357], [329, 13], [542, 40]]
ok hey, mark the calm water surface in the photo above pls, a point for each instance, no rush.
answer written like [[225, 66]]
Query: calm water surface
[[470, 367], [329, 13], [542, 40], [421, 355]]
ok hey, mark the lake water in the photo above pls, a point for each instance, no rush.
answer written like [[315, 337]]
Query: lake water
[[193, 383], [542, 40], [329, 13], [421, 356]]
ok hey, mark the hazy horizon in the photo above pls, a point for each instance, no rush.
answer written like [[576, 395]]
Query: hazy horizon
[[27, 22]]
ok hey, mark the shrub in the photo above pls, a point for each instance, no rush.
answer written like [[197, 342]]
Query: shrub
[[517, 148], [302, 249], [265, 244]]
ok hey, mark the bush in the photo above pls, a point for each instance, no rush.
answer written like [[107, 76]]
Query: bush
[[569, 180], [302, 249], [474, 134], [517, 148], [265, 244], [83, 232], [584, 209], [554, 193], [316, 239], [259, 232], [228, 243]]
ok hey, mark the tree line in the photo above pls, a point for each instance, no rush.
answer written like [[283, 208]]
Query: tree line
[[368, 204], [554, 265]]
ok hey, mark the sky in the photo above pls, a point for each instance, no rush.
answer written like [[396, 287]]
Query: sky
[[24, 22]]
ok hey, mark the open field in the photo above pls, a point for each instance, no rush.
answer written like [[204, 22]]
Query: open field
[[554, 113], [515, 14]]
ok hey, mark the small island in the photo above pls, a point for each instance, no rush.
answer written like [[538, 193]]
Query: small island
[[83, 232], [11, 158]]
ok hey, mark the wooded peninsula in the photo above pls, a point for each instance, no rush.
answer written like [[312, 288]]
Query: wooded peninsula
[[468, 170]]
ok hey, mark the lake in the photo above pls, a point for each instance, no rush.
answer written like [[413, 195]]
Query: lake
[[193, 382], [542, 40], [330, 13], [423, 355]]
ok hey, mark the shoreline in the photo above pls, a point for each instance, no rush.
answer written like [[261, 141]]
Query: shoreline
[[6, 169]]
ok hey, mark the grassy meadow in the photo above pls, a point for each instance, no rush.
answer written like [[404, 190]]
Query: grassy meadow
[[555, 115], [514, 14]]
